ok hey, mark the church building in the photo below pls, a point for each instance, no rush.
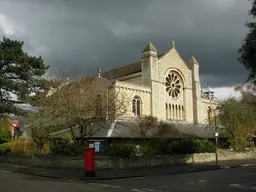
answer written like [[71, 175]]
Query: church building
[[159, 85], [164, 86]]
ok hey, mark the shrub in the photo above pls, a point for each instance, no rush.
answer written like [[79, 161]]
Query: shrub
[[23, 146], [203, 146], [182, 147], [190, 146], [122, 151], [4, 148], [5, 137], [67, 149], [46, 149], [148, 150]]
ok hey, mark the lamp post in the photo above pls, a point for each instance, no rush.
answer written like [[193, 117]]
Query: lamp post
[[215, 131], [216, 146]]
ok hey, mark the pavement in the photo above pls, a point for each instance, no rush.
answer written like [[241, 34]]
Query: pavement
[[240, 179], [79, 174]]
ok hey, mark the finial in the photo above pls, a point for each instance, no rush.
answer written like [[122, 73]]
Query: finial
[[173, 44], [150, 47], [99, 71]]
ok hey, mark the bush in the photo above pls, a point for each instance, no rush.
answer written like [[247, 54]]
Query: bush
[[190, 146], [203, 146], [27, 147], [121, 151], [4, 148], [148, 150], [23, 146], [154, 147], [182, 147], [67, 149], [5, 137], [46, 149]]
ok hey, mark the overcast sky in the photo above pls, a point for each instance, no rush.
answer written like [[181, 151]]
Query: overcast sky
[[83, 35]]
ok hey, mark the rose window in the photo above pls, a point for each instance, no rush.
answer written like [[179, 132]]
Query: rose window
[[173, 85]]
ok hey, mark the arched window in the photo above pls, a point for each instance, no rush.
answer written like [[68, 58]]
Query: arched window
[[136, 106], [98, 104], [209, 115]]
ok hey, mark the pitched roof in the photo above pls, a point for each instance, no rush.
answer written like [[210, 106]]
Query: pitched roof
[[208, 90], [100, 129], [130, 129], [124, 70], [180, 130]]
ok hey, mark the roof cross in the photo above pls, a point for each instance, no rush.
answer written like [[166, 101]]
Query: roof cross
[[173, 44]]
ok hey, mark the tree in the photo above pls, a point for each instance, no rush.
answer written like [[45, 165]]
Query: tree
[[41, 124], [150, 127], [46, 119], [155, 135], [248, 92], [83, 106], [5, 134], [212, 112], [238, 119], [248, 48], [19, 74]]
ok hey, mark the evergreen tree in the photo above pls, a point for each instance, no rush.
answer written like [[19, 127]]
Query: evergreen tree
[[248, 50], [19, 74]]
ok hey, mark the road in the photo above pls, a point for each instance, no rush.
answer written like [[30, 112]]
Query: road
[[14, 182], [236, 179]]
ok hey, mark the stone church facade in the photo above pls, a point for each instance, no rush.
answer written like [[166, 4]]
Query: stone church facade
[[163, 86]]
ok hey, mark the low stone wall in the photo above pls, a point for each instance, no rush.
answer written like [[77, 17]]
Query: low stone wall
[[115, 163]]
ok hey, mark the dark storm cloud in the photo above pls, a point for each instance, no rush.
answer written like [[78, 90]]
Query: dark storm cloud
[[83, 35]]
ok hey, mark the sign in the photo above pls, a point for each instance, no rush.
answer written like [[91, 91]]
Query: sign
[[216, 134], [97, 144]]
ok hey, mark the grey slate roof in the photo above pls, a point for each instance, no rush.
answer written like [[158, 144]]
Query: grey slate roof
[[124, 70], [129, 129], [179, 130], [100, 130]]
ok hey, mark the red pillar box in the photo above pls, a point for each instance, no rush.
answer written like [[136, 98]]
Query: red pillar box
[[89, 163]]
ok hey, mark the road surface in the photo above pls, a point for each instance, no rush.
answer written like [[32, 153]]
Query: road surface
[[236, 179]]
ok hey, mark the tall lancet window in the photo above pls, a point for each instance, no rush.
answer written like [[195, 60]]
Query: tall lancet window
[[98, 105], [209, 114], [136, 106]]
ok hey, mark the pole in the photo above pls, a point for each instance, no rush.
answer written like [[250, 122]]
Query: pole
[[216, 150], [216, 134], [216, 139]]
